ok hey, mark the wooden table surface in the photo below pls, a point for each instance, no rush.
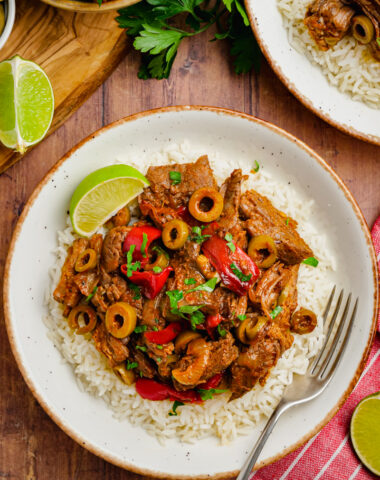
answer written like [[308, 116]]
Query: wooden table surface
[[32, 447]]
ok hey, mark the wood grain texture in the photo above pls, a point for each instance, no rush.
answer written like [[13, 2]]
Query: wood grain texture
[[31, 445], [78, 51]]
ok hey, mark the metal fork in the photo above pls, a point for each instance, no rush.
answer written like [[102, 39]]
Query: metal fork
[[319, 374]]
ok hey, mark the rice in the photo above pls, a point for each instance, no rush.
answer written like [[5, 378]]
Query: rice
[[348, 65], [217, 417]]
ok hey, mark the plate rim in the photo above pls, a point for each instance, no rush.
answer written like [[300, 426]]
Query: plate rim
[[30, 202], [353, 132]]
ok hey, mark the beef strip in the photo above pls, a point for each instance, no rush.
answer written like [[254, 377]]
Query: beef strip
[[221, 355], [255, 362], [112, 348], [145, 365], [328, 21], [270, 285], [264, 219], [162, 198], [112, 254], [229, 221], [230, 304], [67, 291]]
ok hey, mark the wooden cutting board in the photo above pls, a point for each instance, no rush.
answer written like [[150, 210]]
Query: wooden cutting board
[[78, 51]]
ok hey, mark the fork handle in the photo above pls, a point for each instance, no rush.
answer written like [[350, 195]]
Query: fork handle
[[253, 456]]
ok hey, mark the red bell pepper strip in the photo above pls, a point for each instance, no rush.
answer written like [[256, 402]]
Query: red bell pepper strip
[[152, 390], [211, 228], [136, 237], [151, 283], [184, 214], [166, 335], [225, 261], [212, 382]]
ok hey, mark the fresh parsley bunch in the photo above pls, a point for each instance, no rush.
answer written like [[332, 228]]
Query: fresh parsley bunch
[[157, 34]]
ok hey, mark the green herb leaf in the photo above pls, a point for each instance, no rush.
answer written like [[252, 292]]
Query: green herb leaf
[[132, 267], [136, 289], [140, 329], [287, 221], [175, 177], [190, 281], [275, 312], [312, 261], [222, 332], [160, 347], [99, 2], [143, 244], [229, 241], [176, 404], [206, 287], [241, 276], [208, 394], [174, 297], [197, 318], [141, 348], [197, 235], [378, 41], [157, 269], [131, 365], [256, 167], [242, 317], [88, 298], [155, 329]]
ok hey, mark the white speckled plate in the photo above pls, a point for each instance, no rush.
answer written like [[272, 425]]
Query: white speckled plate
[[305, 80], [87, 419]]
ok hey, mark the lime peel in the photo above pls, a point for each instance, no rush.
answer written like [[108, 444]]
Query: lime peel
[[365, 431]]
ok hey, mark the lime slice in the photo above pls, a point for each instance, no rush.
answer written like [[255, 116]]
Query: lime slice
[[101, 194], [26, 103], [365, 432]]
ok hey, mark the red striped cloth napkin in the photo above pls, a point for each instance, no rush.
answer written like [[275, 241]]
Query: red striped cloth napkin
[[329, 455]]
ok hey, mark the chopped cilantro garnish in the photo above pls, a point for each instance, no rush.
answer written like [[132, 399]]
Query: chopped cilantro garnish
[[176, 404], [131, 365], [196, 318], [174, 297], [229, 241], [157, 269], [378, 41], [136, 289], [140, 348], [206, 287], [141, 374], [242, 317], [190, 281], [256, 167], [143, 245], [160, 347], [175, 177], [197, 235], [287, 221], [312, 261], [140, 329], [155, 328], [275, 312], [207, 394], [222, 332], [88, 298], [236, 270], [158, 359], [131, 267]]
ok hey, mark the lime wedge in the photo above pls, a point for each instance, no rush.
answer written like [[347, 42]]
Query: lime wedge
[[365, 432], [101, 194], [26, 103]]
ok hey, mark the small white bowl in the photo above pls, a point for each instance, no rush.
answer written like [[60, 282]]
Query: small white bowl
[[10, 12]]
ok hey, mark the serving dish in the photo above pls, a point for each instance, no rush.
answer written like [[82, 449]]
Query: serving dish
[[306, 80], [85, 418], [78, 6], [10, 12]]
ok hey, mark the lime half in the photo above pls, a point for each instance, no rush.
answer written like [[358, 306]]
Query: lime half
[[365, 432], [26, 103], [101, 194]]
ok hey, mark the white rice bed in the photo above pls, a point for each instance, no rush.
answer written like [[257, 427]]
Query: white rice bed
[[348, 65], [218, 417]]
